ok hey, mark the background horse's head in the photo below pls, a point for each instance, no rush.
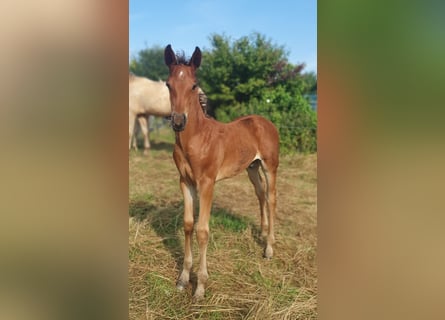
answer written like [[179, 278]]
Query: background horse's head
[[182, 85]]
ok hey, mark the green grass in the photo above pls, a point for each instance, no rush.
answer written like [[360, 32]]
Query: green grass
[[242, 285], [222, 219]]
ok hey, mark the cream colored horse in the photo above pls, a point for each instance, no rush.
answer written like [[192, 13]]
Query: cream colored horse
[[147, 97]]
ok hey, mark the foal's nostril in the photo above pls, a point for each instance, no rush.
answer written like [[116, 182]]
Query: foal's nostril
[[178, 118], [178, 121]]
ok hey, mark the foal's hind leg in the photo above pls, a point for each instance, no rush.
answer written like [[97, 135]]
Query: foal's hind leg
[[271, 199], [257, 182]]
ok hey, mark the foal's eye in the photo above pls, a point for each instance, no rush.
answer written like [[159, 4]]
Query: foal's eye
[[194, 86]]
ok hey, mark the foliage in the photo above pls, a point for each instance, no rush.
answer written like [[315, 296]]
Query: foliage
[[253, 76], [150, 63], [292, 115], [310, 82]]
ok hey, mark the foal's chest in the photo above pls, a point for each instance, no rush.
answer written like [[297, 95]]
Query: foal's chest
[[183, 164]]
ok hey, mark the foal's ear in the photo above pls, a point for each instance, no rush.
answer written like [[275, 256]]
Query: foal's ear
[[169, 56], [195, 60]]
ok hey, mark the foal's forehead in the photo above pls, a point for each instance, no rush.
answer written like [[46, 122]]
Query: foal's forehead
[[182, 72]]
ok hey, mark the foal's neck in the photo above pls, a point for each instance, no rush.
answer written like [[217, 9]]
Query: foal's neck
[[196, 116], [195, 123]]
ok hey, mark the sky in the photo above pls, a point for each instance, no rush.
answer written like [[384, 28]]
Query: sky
[[186, 24]]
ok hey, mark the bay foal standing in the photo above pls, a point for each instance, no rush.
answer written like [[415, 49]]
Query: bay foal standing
[[207, 151]]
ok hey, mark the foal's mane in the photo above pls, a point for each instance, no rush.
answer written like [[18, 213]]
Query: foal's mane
[[182, 59]]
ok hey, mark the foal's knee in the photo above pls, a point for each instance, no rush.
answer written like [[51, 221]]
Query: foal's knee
[[202, 234], [188, 226]]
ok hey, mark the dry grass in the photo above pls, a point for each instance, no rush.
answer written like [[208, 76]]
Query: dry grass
[[242, 285]]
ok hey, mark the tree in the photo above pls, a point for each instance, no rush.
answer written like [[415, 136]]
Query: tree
[[252, 75], [310, 81], [150, 63]]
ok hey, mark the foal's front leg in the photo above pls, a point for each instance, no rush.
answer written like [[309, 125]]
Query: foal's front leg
[[189, 193], [202, 233]]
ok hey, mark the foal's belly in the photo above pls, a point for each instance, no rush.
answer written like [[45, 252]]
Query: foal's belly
[[234, 167]]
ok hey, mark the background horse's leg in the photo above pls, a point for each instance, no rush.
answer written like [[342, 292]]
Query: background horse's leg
[[143, 122], [271, 199], [131, 123], [135, 135], [255, 178], [202, 233], [189, 194]]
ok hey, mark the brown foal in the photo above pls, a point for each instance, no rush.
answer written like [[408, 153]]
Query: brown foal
[[207, 151]]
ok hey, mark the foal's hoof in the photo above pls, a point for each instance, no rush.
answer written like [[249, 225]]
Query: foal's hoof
[[268, 253], [199, 294], [180, 286], [198, 297]]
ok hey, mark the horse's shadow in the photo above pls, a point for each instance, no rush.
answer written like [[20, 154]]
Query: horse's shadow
[[155, 145], [160, 145], [167, 220]]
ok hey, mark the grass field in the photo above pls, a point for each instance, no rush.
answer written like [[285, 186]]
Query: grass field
[[241, 285]]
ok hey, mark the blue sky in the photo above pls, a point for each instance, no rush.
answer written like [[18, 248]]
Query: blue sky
[[186, 24]]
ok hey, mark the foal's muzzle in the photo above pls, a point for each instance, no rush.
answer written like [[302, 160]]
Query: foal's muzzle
[[178, 121]]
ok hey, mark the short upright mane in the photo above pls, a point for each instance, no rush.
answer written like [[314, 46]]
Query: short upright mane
[[182, 59]]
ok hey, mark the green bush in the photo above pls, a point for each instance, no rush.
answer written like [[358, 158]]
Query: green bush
[[252, 76], [292, 115]]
